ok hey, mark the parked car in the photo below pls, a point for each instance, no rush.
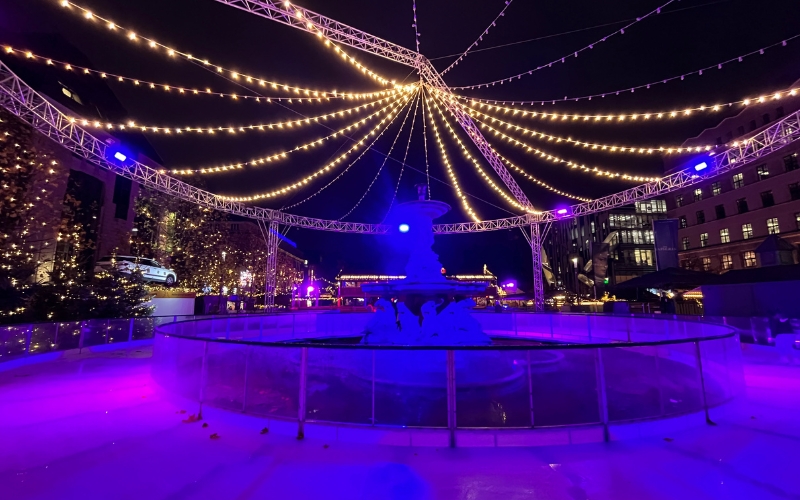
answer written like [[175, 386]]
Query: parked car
[[151, 270]]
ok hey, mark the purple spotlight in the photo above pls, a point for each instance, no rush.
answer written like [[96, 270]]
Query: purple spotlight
[[563, 212], [310, 289], [510, 284]]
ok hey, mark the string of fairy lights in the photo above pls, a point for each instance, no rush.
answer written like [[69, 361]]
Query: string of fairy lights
[[284, 154], [497, 118], [383, 163], [225, 69], [620, 31], [626, 117], [479, 39], [301, 97]]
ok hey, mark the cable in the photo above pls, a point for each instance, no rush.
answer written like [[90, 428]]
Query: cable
[[479, 39], [698, 72], [562, 59], [416, 29], [405, 156], [402, 126]]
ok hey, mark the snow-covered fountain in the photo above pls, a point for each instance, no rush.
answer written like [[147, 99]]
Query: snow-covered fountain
[[424, 308]]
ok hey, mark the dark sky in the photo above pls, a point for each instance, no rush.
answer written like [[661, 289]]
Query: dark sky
[[685, 36]]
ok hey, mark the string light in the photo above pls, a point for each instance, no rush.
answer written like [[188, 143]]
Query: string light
[[385, 159], [186, 91], [587, 145], [681, 77], [479, 39], [537, 181], [450, 172], [620, 31], [325, 169], [240, 77], [323, 188], [403, 164], [616, 118], [416, 29], [573, 165], [235, 129], [513, 202], [280, 156], [425, 146]]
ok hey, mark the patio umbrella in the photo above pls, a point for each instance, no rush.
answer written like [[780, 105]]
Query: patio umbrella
[[672, 278]]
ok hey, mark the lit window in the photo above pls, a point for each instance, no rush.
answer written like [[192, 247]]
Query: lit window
[[749, 259], [790, 162], [685, 243], [772, 226], [679, 200], [698, 194], [727, 262], [716, 189], [724, 236], [797, 219], [762, 171], [704, 240], [706, 263], [747, 231], [738, 181], [682, 221]]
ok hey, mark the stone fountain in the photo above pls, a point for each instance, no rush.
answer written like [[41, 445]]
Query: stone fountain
[[424, 308]]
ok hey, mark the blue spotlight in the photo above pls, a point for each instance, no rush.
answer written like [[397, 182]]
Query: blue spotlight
[[403, 228], [700, 166], [120, 156]]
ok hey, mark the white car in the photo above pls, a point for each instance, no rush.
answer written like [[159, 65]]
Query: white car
[[151, 270]]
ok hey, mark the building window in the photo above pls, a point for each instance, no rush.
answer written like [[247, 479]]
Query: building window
[[685, 243], [747, 231], [720, 210], [682, 221], [753, 125], [762, 171], [716, 189], [703, 240], [741, 205], [740, 130], [724, 236], [766, 199], [779, 112], [749, 259], [679, 201], [698, 194], [706, 263], [772, 226], [765, 118], [797, 220], [727, 262], [738, 181], [790, 162], [794, 191], [651, 207], [701, 217]]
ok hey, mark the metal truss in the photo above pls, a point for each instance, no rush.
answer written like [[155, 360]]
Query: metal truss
[[317, 24], [271, 278], [21, 100]]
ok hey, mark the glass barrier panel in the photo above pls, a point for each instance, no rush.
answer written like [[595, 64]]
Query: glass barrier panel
[[633, 388], [188, 366], [679, 378], [118, 330], [143, 328], [570, 328], [534, 325], [273, 381], [43, 338], [733, 354], [339, 385], [496, 324], [564, 385], [165, 361], [492, 389], [225, 379], [715, 371], [94, 332], [12, 342], [69, 334], [411, 388]]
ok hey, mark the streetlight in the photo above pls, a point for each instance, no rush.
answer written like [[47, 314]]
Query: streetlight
[[577, 285], [221, 279]]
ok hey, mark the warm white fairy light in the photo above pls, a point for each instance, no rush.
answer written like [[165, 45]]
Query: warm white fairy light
[[224, 69], [465, 152], [593, 146], [328, 166], [283, 154], [538, 181], [450, 172]]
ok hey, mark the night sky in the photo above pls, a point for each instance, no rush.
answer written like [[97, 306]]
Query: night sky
[[687, 35]]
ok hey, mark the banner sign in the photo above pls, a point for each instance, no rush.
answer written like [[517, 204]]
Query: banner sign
[[665, 233]]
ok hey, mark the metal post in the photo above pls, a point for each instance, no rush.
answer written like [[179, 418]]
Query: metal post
[[271, 270], [203, 377], [248, 350], [130, 330], [301, 407], [28, 336], [702, 381], [451, 397], [373, 387], [602, 397], [55, 338], [530, 387], [538, 278]]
